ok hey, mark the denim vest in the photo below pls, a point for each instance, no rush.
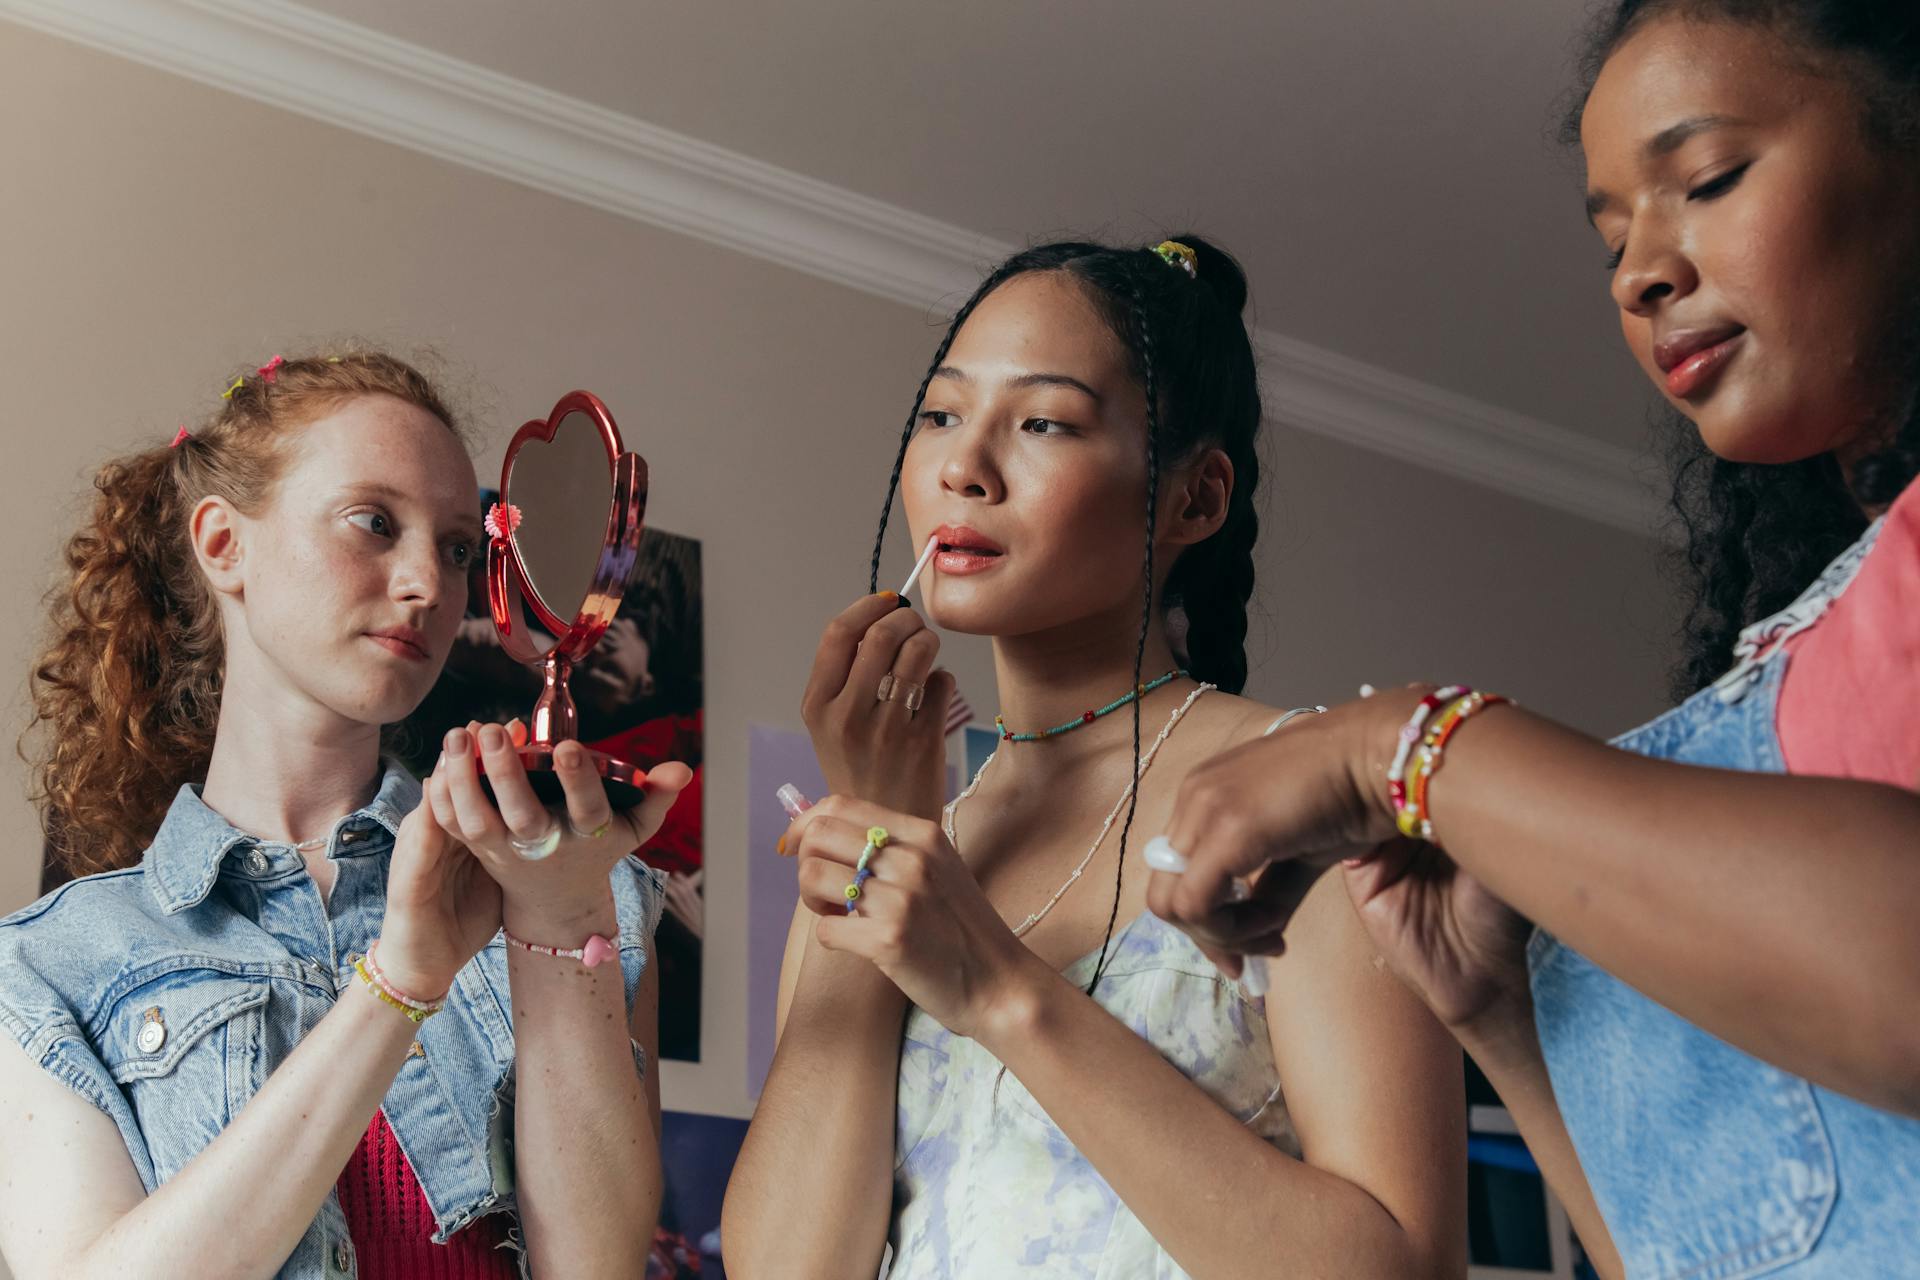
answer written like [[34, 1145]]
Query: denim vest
[[165, 994], [1706, 1163]]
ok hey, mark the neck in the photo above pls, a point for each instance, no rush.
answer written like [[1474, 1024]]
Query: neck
[[284, 767], [1047, 678]]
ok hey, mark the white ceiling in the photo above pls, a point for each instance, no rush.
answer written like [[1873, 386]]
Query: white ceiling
[[1386, 169]]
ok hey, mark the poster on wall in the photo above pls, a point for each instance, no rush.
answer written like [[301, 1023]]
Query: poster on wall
[[641, 696]]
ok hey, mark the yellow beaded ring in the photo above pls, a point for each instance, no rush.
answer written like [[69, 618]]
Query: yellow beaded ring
[[876, 841]]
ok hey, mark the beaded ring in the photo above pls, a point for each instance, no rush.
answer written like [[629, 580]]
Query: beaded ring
[[876, 841]]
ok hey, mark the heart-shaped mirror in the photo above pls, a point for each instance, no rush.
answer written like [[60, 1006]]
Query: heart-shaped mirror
[[562, 544]]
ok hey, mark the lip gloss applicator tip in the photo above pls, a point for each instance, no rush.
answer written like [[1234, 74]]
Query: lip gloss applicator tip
[[933, 545]]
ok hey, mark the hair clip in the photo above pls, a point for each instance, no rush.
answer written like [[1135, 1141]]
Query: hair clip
[[181, 436], [502, 520], [271, 368], [333, 359], [237, 384], [1175, 254]]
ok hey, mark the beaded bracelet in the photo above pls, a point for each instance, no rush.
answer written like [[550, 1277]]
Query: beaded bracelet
[[416, 1010], [1410, 734], [1411, 814], [592, 953]]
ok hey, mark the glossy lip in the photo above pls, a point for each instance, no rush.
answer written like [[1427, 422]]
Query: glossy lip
[[404, 641], [1676, 346], [1691, 357], [957, 539]]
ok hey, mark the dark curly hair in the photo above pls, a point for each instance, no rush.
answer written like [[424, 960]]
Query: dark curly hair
[[1189, 350], [1755, 535]]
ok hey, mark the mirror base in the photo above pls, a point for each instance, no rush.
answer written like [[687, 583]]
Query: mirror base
[[625, 783]]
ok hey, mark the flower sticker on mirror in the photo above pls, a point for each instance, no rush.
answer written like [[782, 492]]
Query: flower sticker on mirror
[[502, 519]]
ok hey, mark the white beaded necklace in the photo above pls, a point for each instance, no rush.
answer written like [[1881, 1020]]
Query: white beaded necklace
[[1146, 761]]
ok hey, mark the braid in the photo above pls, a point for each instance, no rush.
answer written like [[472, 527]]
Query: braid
[[1143, 343], [987, 286]]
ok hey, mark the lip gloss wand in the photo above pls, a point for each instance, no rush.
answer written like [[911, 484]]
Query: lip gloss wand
[[933, 545]]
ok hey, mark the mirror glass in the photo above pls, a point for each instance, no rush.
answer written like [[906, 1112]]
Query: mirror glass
[[564, 488]]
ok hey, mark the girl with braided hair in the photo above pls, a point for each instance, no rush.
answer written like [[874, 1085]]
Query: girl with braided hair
[[992, 1061]]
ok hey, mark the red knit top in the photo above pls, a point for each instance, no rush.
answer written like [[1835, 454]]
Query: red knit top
[[391, 1223]]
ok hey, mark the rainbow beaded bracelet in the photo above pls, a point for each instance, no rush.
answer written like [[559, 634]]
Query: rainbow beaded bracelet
[[1409, 796]]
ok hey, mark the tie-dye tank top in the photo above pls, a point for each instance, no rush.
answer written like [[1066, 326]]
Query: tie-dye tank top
[[987, 1187]]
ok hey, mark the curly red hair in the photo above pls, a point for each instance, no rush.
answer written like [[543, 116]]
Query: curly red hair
[[128, 685]]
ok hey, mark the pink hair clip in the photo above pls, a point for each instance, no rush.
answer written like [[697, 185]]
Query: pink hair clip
[[502, 519], [271, 368], [181, 437]]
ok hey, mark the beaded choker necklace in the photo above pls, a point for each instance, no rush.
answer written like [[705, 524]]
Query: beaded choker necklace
[[1086, 717]]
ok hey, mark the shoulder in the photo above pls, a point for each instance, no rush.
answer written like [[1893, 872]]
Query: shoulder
[[80, 906], [1229, 720]]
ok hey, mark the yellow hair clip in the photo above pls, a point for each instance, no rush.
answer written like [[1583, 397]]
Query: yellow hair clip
[[237, 384], [1179, 255]]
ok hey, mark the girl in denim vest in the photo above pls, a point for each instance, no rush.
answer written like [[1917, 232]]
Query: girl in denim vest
[[1690, 962], [274, 1025]]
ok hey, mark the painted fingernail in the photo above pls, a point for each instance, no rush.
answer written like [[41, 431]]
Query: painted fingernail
[[517, 731], [780, 846], [887, 595], [491, 739], [792, 800], [456, 742]]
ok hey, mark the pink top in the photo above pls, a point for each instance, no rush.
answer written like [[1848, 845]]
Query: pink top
[[1850, 701]]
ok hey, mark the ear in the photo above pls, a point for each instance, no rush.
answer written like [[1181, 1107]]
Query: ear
[[214, 530], [1197, 499]]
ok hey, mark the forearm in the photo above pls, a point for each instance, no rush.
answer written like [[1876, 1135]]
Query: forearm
[[586, 1140], [1507, 1049], [1775, 912], [1219, 1199], [280, 1157], [812, 1191]]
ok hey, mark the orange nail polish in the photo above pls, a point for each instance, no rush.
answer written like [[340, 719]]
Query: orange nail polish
[[780, 846], [888, 595]]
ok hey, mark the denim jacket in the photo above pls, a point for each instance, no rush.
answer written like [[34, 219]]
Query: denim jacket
[[166, 993], [1707, 1163]]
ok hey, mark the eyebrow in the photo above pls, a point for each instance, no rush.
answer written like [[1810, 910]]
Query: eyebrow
[[1025, 380], [1665, 143]]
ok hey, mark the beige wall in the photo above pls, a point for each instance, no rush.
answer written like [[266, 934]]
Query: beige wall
[[158, 234]]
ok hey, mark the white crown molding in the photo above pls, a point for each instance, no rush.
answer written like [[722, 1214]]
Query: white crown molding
[[344, 74]]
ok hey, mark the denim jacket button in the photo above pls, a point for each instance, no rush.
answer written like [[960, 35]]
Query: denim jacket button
[[343, 1257], [256, 862], [153, 1032]]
